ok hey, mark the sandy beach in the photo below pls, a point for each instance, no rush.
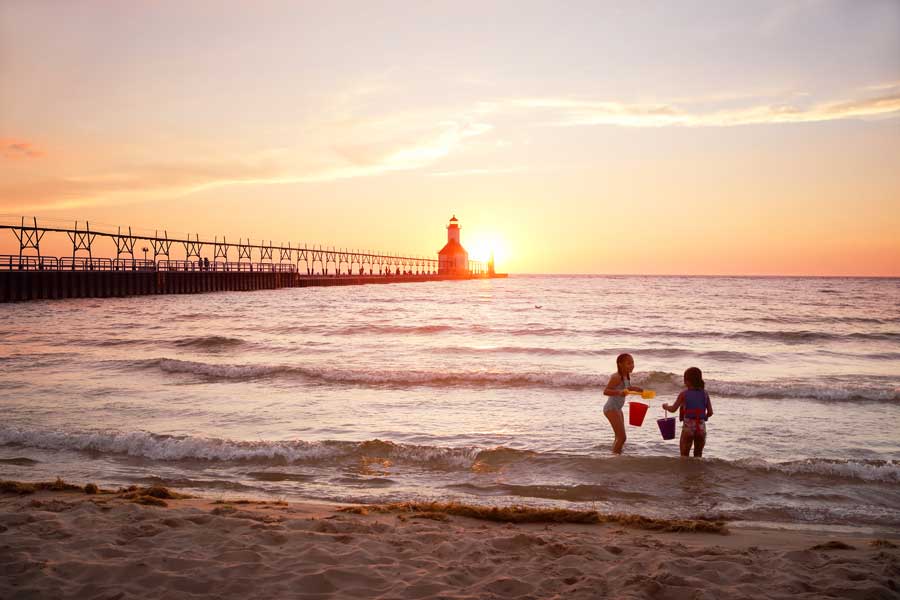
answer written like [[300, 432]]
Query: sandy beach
[[62, 544]]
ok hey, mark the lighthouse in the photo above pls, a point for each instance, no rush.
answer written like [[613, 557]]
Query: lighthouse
[[453, 258]]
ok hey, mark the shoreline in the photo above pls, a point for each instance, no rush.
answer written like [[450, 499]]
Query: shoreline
[[148, 542]]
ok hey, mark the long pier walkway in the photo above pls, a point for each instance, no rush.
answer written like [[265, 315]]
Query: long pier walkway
[[31, 276]]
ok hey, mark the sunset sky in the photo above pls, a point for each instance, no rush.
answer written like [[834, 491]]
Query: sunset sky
[[578, 137]]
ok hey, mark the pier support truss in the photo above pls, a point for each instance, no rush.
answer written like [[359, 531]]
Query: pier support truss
[[285, 254], [245, 250], [220, 250], [125, 244], [161, 246], [265, 252], [193, 248], [81, 240], [316, 260], [29, 237]]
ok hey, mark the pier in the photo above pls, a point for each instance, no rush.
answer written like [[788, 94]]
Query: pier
[[31, 276]]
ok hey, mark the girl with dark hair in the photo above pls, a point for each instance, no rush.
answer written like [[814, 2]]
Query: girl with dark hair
[[696, 408], [617, 388]]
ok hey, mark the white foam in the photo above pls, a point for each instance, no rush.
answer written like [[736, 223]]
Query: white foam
[[163, 447], [867, 470]]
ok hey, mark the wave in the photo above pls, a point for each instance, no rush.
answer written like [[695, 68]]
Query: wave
[[882, 355], [210, 343], [719, 355], [809, 320], [377, 377], [340, 454], [812, 390], [866, 470], [808, 336], [786, 336], [662, 382], [176, 448]]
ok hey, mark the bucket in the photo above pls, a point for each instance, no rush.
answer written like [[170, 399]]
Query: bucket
[[667, 427], [636, 413]]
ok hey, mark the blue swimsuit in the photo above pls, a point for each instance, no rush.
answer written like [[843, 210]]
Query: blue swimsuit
[[617, 402]]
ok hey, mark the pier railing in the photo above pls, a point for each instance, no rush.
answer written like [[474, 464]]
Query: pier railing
[[12, 262], [213, 255]]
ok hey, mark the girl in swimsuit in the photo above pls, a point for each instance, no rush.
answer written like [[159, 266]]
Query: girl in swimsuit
[[616, 388], [696, 408]]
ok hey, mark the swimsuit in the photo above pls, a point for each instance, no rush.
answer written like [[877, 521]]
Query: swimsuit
[[693, 412], [617, 402], [694, 426]]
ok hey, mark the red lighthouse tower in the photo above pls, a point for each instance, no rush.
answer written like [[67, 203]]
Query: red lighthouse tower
[[453, 258]]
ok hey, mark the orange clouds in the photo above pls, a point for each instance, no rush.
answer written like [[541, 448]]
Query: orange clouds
[[16, 150]]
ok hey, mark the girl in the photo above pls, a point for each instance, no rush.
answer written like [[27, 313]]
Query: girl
[[616, 388], [696, 408]]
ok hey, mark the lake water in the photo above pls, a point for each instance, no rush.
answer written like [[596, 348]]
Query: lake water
[[481, 391]]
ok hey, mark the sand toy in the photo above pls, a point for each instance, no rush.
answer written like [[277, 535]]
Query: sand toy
[[636, 413], [666, 426]]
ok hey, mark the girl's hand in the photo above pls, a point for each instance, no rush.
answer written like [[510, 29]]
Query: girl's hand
[[667, 408]]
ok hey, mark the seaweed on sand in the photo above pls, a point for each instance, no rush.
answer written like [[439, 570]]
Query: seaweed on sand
[[154, 495], [22, 488], [527, 514]]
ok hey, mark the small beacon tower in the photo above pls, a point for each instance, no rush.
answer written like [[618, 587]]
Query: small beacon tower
[[453, 258]]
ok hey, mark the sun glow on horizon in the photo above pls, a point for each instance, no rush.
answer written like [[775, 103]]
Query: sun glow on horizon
[[482, 246]]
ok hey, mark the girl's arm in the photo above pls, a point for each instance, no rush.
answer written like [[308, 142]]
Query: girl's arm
[[676, 405], [635, 388], [614, 380], [709, 411]]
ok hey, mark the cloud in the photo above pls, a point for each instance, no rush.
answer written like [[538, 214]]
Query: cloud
[[137, 183], [464, 172], [568, 112], [355, 146], [13, 149]]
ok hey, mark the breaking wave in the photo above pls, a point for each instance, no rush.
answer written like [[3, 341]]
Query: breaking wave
[[662, 382], [153, 446]]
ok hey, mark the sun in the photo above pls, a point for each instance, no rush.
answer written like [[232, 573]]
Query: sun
[[480, 248]]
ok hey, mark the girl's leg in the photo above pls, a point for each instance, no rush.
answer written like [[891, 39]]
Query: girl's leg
[[617, 420], [699, 442], [687, 438]]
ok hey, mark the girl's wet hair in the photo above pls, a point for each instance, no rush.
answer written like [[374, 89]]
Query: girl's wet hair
[[694, 378], [619, 360]]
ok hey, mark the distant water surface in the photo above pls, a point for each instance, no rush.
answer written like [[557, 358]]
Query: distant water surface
[[481, 391]]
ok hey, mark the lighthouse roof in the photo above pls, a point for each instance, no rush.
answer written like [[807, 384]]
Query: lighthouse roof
[[454, 219], [453, 247]]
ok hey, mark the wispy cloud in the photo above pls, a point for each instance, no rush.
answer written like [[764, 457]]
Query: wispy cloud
[[138, 183], [464, 172], [358, 146], [569, 112], [13, 149]]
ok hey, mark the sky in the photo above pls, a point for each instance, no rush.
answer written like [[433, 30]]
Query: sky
[[698, 138]]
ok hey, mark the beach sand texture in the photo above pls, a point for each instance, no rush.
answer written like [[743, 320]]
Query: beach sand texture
[[68, 544]]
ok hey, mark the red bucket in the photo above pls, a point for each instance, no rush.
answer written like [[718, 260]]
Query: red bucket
[[636, 413]]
